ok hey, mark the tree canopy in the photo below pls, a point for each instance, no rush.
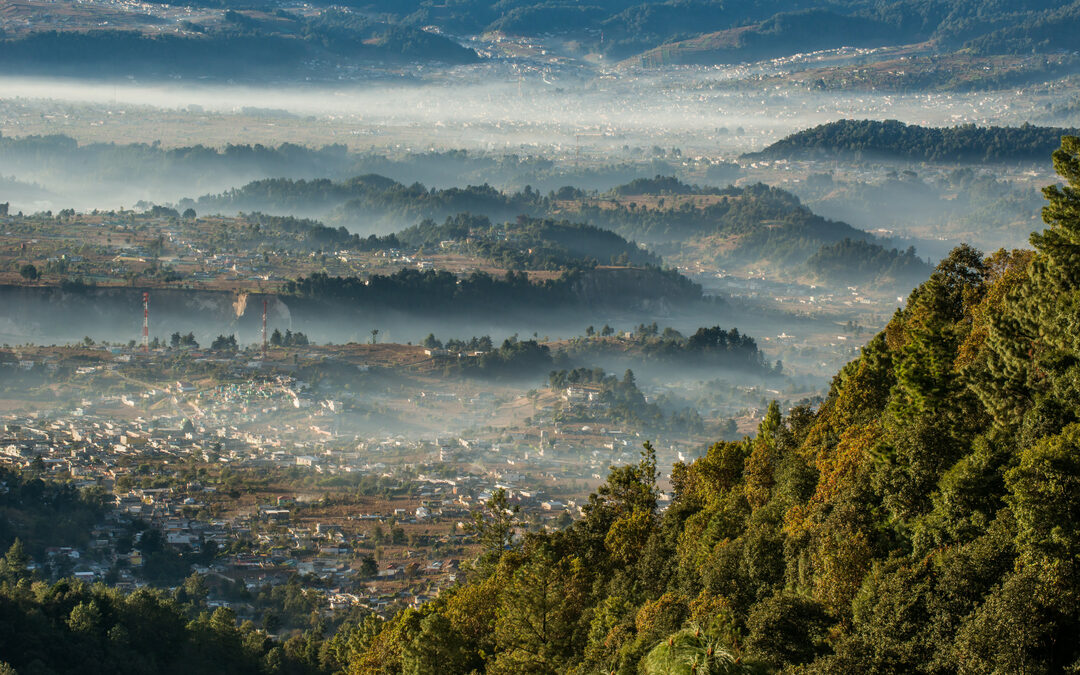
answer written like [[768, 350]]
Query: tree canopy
[[924, 518]]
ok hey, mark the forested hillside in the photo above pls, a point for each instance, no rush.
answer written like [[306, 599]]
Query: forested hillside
[[442, 292], [42, 514], [923, 519], [760, 222], [70, 627], [891, 139], [861, 262], [529, 243]]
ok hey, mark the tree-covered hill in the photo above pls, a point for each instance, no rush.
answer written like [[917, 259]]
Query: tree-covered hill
[[483, 295], [706, 347], [758, 224], [925, 518], [372, 199], [1050, 30], [528, 243], [862, 262], [891, 139]]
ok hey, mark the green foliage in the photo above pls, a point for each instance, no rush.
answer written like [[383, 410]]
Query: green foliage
[[925, 518], [706, 347], [29, 272], [1043, 31], [72, 628], [36, 513], [690, 652], [1045, 498], [222, 343], [288, 338], [536, 624], [787, 630], [894, 139], [442, 291], [493, 526], [660, 185], [435, 649], [858, 262]]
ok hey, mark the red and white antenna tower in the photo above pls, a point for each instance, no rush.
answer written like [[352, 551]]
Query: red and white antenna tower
[[146, 322], [264, 329]]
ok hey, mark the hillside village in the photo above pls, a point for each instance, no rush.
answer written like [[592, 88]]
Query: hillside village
[[244, 479]]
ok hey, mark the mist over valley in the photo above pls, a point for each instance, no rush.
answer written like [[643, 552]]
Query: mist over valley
[[627, 337]]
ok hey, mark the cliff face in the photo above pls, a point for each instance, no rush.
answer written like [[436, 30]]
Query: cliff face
[[50, 315], [35, 313]]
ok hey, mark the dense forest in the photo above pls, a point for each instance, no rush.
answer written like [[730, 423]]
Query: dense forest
[[483, 294], [923, 519], [892, 139], [861, 262], [1050, 30], [513, 359], [69, 627], [44, 513]]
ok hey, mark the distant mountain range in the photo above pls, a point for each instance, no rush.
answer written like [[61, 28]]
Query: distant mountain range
[[235, 38], [234, 45]]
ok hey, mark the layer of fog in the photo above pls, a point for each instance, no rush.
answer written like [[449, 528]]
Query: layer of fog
[[573, 118], [45, 317]]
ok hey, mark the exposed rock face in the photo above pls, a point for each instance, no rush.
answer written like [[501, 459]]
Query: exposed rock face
[[48, 315], [31, 313]]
